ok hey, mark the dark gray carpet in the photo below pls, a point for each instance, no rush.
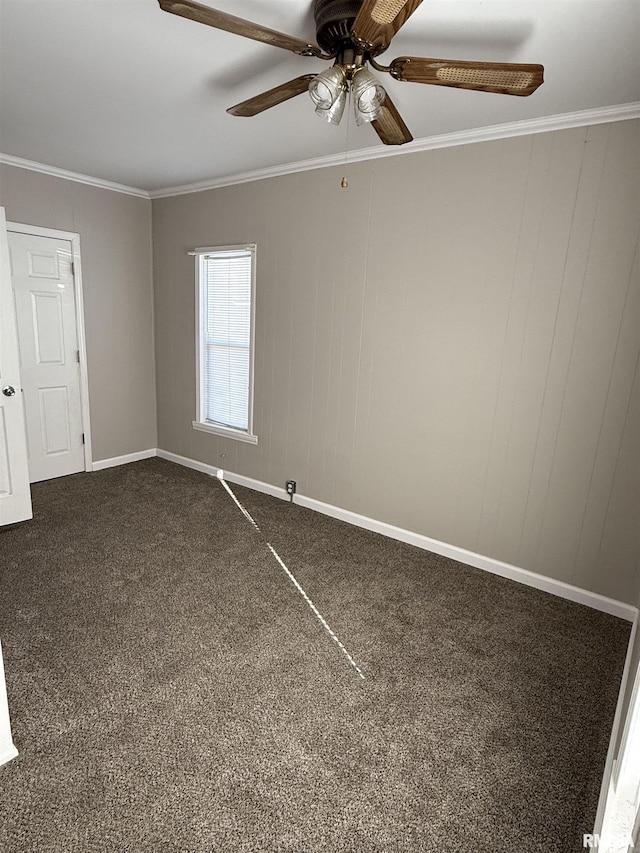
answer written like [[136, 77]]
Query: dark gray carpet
[[170, 690]]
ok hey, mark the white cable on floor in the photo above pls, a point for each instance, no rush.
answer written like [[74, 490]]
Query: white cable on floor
[[292, 578], [237, 502]]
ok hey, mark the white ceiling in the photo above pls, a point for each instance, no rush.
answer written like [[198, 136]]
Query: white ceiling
[[122, 91]]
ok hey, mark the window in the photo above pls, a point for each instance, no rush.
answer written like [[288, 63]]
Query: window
[[226, 285]]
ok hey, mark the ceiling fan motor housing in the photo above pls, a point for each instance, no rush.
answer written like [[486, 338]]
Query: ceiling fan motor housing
[[334, 19]]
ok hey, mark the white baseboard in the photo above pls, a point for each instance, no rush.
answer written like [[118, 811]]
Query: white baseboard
[[212, 470], [470, 558], [478, 561], [124, 460]]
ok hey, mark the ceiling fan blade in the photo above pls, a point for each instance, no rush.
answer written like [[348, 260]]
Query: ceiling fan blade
[[389, 126], [223, 21], [501, 77], [379, 20], [273, 97]]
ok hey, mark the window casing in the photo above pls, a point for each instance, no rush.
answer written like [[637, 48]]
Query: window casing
[[225, 279]]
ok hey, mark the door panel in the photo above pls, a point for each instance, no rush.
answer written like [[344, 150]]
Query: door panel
[[45, 302], [48, 331], [54, 417], [15, 494]]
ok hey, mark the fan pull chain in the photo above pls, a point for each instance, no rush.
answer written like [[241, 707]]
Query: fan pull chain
[[344, 183]]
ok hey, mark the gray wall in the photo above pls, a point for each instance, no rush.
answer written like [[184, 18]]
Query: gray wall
[[115, 244], [449, 345]]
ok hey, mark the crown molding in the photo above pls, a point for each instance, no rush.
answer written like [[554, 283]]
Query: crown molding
[[55, 172], [564, 121], [582, 118]]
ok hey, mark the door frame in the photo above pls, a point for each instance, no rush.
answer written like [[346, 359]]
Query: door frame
[[74, 239], [7, 747], [627, 708]]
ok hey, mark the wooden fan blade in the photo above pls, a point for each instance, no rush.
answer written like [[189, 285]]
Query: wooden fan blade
[[389, 126], [501, 77], [223, 21], [379, 20], [274, 96]]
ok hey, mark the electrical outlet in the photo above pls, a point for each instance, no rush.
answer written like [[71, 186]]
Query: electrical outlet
[[291, 487]]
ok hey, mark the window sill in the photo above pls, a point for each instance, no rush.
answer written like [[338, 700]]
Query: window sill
[[226, 432]]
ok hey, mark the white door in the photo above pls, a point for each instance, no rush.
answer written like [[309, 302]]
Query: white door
[[42, 272], [15, 494]]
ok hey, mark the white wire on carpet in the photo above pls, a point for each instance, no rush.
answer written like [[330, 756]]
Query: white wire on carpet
[[292, 578]]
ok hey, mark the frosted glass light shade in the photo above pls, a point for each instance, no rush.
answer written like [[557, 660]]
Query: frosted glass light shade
[[328, 91], [367, 94], [334, 114]]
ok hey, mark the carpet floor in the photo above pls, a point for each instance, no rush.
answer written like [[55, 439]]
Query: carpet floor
[[171, 689]]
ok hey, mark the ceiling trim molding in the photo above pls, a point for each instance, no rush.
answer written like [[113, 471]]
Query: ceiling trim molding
[[55, 172], [565, 121], [602, 115]]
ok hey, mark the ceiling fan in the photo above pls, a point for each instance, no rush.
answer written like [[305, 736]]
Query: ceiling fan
[[353, 33]]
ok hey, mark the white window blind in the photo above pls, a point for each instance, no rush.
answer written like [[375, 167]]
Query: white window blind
[[226, 335]]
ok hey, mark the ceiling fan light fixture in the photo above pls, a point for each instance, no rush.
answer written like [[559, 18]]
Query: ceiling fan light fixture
[[352, 33], [368, 95], [328, 91]]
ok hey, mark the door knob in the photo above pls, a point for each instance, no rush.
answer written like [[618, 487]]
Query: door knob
[[8, 390]]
